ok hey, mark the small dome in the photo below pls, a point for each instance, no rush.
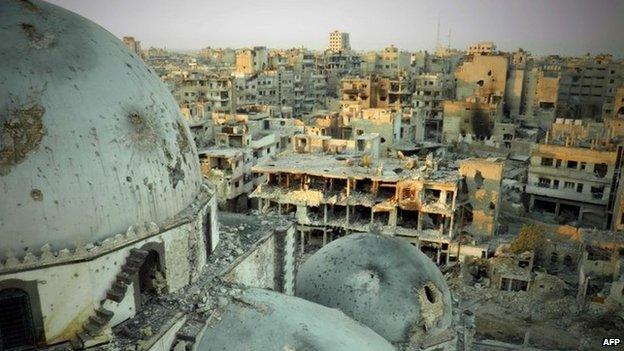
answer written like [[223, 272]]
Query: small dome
[[263, 320], [91, 141], [382, 282]]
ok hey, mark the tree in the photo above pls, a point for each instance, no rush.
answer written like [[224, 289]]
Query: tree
[[531, 238]]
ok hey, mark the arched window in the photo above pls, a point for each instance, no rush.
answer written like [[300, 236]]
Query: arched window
[[16, 320]]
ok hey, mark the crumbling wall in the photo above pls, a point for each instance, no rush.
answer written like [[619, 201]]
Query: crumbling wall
[[257, 267], [483, 179], [483, 76]]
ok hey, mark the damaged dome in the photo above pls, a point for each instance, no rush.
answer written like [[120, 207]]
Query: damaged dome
[[264, 320], [91, 141], [380, 281]]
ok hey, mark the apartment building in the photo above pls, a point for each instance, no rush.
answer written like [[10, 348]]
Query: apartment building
[[333, 195], [430, 92], [588, 86], [482, 48], [339, 41], [250, 61], [574, 176], [201, 93]]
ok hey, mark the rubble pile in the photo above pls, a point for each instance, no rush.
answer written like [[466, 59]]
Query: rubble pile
[[206, 296]]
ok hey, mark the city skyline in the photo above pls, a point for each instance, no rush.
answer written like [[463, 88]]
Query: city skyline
[[565, 27]]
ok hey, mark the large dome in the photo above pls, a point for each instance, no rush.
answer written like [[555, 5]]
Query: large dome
[[91, 141], [262, 320], [383, 282]]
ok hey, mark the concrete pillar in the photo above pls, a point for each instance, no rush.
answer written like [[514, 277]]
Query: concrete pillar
[[438, 256], [302, 240], [420, 220], [558, 209], [324, 236], [392, 218], [348, 186], [347, 222], [451, 225], [324, 214]]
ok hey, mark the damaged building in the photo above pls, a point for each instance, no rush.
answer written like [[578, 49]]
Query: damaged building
[[420, 199], [574, 176]]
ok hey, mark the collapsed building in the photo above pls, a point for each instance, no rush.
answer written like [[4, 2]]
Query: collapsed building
[[239, 142], [427, 201], [430, 92]]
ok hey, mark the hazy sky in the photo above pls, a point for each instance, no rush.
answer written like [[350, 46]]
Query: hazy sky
[[570, 27]]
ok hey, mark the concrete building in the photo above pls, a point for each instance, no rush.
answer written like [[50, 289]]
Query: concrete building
[[482, 48], [250, 61], [331, 196], [339, 41], [484, 77], [199, 94], [588, 86], [133, 45], [468, 120], [574, 175], [430, 92]]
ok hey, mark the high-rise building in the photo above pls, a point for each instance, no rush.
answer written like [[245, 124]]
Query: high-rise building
[[339, 41]]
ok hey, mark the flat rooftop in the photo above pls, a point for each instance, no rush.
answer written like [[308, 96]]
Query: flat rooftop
[[350, 166]]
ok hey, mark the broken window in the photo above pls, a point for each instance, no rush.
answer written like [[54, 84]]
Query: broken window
[[568, 185], [600, 170], [572, 164], [579, 187], [567, 261], [547, 161], [16, 321], [407, 218], [360, 215], [558, 163], [597, 191], [381, 217], [544, 206], [556, 184], [467, 214], [433, 221], [408, 193], [478, 179], [554, 257], [432, 195], [364, 185], [508, 284], [543, 183]]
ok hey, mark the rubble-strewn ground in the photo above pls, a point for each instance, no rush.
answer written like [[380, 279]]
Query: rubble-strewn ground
[[238, 233], [551, 323]]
